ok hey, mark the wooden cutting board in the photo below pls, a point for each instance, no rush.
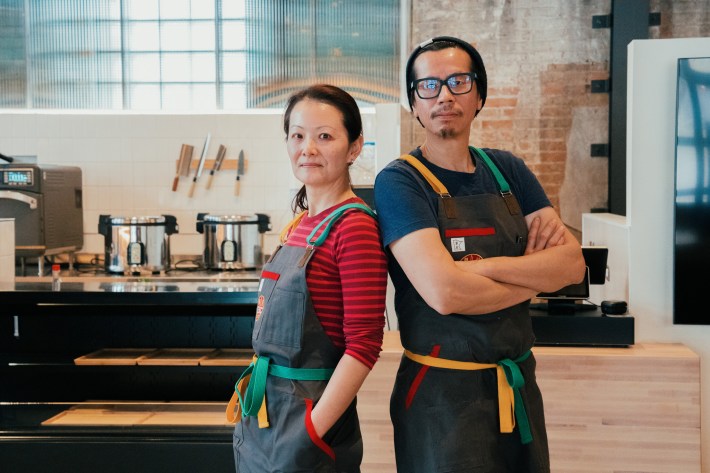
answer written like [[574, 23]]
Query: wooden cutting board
[[99, 416], [114, 356], [228, 357], [175, 356]]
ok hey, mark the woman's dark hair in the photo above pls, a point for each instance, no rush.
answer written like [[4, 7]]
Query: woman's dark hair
[[339, 99]]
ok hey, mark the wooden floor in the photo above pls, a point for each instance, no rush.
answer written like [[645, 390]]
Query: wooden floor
[[608, 410]]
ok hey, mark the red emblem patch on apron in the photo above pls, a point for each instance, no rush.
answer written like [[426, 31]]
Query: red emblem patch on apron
[[471, 257], [259, 306]]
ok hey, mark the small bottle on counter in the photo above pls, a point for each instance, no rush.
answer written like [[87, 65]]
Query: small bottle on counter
[[56, 280]]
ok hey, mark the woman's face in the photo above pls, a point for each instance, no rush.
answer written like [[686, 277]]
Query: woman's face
[[318, 146]]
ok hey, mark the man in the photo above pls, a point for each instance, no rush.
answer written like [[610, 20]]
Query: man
[[472, 237]]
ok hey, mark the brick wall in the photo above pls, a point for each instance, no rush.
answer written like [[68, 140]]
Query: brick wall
[[541, 57]]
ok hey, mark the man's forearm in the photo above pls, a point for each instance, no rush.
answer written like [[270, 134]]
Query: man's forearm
[[545, 270]]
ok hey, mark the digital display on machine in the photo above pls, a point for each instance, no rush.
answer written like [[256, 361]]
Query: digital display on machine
[[17, 177]]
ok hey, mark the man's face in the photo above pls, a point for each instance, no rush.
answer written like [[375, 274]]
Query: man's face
[[448, 115]]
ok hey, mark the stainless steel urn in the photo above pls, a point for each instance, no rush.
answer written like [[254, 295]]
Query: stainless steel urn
[[233, 242], [137, 244]]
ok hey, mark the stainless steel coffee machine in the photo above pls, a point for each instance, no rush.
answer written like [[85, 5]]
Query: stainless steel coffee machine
[[46, 202]]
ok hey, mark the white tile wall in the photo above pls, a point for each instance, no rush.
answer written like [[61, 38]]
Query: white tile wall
[[7, 249], [128, 164]]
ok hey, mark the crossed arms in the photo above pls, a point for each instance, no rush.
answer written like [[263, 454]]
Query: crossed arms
[[552, 259]]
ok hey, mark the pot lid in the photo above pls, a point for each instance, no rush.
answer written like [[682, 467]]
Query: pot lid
[[146, 220], [230, 218]]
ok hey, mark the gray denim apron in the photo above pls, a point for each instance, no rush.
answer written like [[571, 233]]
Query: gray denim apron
[[294, 358], [448, 420]]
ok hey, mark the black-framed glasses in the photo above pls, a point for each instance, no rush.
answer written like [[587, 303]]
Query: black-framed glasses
[[458, 84]]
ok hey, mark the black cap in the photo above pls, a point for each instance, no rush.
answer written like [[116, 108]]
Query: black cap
[[476, 60]]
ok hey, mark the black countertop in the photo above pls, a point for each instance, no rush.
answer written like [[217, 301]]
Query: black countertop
[[174, 289]]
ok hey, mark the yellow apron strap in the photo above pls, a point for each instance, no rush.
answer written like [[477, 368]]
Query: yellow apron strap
[[287, 229], [506, 398], [506, 402], [435, 183], [262, 416]]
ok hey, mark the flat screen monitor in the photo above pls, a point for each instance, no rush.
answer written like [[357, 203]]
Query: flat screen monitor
[[570, 299], [691, 227]]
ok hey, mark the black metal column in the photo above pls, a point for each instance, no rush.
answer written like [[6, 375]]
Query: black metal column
[[630, 20]]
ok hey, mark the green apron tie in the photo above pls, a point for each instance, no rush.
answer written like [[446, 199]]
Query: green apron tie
[[256, 389], [516, 381]]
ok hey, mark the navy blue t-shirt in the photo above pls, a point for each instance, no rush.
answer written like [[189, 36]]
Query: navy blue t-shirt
[[403, 208], [406, 203]]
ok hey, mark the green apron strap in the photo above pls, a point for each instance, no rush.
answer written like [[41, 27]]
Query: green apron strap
[[259, 369], [516, 381], [502, 183], [254, 395], [331, 219], [301, 374], [510, 201]]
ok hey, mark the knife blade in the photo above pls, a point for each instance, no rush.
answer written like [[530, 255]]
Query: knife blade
[[183, 166], [240, 172], [217, 164], [200, 165]]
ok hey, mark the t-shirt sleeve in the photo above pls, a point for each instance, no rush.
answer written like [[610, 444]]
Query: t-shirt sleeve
[[403, 205]]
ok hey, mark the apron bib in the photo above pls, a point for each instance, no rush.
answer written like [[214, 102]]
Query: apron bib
[[447, 419], [293, 360]]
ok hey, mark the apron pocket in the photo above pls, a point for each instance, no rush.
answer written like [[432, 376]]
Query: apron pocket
[[311, 431], [282, 319]]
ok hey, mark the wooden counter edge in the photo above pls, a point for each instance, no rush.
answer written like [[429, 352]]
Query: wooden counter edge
[[391, 344]]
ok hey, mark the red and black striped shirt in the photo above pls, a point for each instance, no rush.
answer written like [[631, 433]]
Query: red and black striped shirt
[[347, 281]]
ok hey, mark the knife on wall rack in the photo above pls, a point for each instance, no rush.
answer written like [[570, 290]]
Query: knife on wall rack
[[240, 172], [201, 165], [217, 164], [183, 165]]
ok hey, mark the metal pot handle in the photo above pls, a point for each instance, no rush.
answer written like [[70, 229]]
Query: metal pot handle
[[31, 201]]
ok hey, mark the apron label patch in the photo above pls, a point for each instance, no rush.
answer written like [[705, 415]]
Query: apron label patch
[[458, 244], [259, 306], [472, 257]]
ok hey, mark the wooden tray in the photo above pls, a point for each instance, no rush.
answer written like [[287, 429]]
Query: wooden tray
[[228, 357], [99, 416], [175, 356], [114, 356], [188, 415]]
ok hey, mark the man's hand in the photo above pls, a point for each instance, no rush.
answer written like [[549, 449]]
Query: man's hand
[[552, 234]]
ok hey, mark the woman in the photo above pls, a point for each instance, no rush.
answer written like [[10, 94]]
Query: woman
[[319, 318]]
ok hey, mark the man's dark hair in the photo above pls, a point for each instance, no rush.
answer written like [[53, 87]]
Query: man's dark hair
[[445, 42]]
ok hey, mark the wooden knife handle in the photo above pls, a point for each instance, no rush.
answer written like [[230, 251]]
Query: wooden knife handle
[[237, 186], [192, 188], [209, 180], [175, 182]]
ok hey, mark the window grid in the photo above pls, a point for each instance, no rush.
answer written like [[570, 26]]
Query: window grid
[[193, 54]]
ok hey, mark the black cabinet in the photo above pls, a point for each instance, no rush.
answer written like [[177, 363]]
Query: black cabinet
[[57, 414]]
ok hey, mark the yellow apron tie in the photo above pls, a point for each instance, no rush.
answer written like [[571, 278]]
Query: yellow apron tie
[[506, 395]]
